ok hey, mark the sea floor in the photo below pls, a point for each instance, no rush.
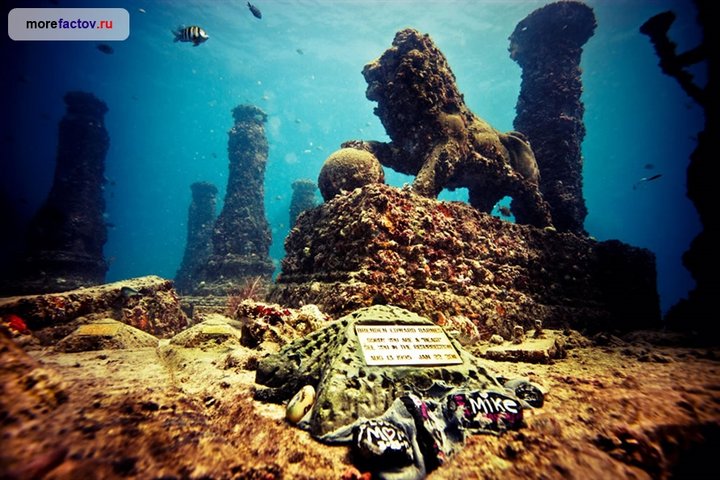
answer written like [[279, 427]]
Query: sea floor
[[628, 408]]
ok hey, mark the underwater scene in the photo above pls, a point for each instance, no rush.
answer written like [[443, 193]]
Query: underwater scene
[[358, 239]]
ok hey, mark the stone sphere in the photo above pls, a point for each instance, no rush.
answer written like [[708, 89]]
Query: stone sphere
[[348, 169]]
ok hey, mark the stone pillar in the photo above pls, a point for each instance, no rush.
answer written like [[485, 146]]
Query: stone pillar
[[303, 198], [547, 44], [241, 237], [64, 246], [696, 313], [201, 216]]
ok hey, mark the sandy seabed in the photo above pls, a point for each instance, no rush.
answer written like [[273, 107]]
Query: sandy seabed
[[628, 409]]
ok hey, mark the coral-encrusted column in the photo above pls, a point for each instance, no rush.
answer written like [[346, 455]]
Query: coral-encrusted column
[[241, 237], [65, 240], [303, 198], [201, 217], [547, 44]]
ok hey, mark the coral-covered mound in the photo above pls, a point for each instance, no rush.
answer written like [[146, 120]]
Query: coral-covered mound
[[332, 361], [384, 245], [147, 303]]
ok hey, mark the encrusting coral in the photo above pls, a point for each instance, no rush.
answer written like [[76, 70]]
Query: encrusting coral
[[438, 139], [347, 169], [547, 44]]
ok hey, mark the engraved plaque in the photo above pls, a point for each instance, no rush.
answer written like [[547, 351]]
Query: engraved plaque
[[216, 330], [406, 345], [98, 329]]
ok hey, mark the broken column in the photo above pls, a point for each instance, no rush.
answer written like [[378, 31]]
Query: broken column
[[241, 237], [201, 216], [547, 45], [64, 245], [303, 198]]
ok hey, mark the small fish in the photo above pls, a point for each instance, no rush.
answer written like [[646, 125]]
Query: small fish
[[300, 51], [255, 11], [129, 292], [505, 211], [648, 166], [193, 34], [105, 48], [141, 10], [646, 179]]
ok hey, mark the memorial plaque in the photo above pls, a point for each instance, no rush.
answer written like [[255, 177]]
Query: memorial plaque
[[216, 329], [98, 329], [406, 345]]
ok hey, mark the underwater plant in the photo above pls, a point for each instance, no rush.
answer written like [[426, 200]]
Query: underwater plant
[[252, 288]]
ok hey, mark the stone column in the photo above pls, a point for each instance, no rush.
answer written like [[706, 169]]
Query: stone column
[[201, 216], [698, 310], [547, 44], [241, 237], [303, 198], [64, 246]]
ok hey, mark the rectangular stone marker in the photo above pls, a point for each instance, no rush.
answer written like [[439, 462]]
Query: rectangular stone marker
[[215, 330], [98, 329], [406, 345]]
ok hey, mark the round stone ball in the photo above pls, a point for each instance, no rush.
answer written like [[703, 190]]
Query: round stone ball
[[348, 169]]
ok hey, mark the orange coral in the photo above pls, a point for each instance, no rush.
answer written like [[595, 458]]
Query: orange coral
[[445, 210], [387, 223]]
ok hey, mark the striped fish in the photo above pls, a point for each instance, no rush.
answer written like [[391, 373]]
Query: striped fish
[[193, 34]]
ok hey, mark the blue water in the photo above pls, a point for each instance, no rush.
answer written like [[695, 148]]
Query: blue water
[[170, 109]]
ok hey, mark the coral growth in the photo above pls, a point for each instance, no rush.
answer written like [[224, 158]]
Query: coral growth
[[264, 322], [347, 169], [241, 236], [384, 245], [547, 44], [438, 139], [152, 306], [255, 288], [201, 217], [65, 240], [303, 198]]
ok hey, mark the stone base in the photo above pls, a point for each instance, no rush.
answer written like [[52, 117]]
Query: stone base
[[546, 349], [106, 334], [384, 245]]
